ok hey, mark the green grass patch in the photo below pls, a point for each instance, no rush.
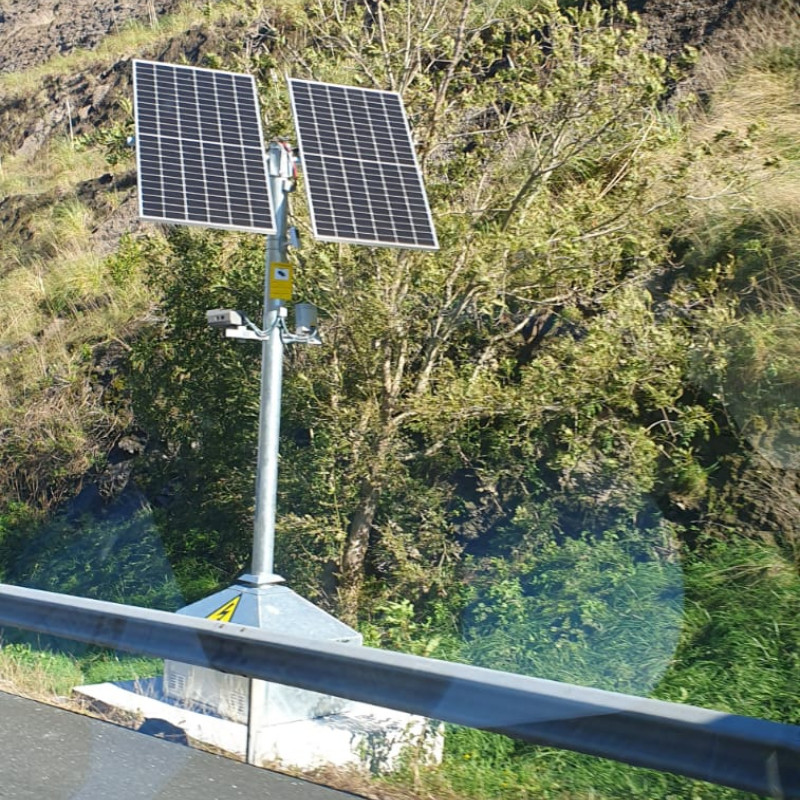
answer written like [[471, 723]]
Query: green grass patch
[[56, 167], [36, 670], [106, 666], [739, 652], [58, 315], [115, 554], [37, 673]]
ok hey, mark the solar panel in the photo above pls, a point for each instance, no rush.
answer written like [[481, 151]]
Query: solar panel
[[362, 178], [199, 148]]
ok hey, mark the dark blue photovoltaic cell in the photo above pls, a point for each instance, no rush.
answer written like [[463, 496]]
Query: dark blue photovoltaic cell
[[199, 148], [361, 173]]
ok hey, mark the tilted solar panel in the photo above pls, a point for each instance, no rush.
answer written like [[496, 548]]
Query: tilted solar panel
[[199, 148], [362, 178]]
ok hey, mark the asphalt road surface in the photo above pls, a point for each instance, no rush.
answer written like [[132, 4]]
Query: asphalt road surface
[[50, 754]]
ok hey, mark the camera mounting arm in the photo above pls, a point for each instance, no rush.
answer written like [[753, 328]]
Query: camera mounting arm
[[236, 325]]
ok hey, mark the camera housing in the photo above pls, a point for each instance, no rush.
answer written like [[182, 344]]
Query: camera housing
[[305, 318], [224, 318]]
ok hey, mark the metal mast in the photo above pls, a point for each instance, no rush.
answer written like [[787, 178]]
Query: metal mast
[[281, 171]]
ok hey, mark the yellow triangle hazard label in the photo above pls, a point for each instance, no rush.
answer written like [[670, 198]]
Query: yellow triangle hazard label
[[225, 612]]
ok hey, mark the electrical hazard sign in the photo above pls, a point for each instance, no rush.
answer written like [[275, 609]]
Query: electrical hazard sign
[[280, 281], [226, 611]]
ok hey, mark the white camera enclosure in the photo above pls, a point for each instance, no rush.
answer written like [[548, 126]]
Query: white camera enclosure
[[224, 318]]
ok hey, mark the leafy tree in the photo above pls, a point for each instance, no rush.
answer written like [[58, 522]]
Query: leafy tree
[[197, 396], [457, 388]]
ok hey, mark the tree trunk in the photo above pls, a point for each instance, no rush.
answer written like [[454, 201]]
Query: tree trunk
[[351, 573]]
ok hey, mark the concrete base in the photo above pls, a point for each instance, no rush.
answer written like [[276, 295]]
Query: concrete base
[[364, 737]]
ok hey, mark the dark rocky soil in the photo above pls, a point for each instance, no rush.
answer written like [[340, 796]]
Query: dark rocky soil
[[33, 31], [677, 24]]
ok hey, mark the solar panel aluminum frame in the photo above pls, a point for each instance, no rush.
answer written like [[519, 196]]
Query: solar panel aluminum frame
[[307, 155], [257, 153]]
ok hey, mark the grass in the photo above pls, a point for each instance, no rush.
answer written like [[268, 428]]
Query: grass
[[59, 295], [37, 673], [58, 284], [741, 643], [57, 167], [60, 298], [751, 117], [766, 36], [754, 123], [742, 166], [64, 229], [58, 419], [739, 652], [56, 309], [50, 676]]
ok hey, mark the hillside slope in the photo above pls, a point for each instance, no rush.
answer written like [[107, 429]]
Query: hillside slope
[[64, 77], [67, 197]]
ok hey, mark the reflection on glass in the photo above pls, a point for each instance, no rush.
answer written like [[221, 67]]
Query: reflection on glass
[[603, 608]]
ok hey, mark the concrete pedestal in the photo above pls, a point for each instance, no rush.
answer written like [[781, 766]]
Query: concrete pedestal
[[365, 737]]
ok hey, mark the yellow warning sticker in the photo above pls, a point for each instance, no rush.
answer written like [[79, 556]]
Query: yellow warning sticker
[[280, 281], [225, 612]]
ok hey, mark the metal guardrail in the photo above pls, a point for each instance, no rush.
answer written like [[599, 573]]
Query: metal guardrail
[[751, 754]]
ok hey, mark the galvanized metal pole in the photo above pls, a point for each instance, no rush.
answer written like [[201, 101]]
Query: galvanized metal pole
[[261, 569], [269, 423]]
